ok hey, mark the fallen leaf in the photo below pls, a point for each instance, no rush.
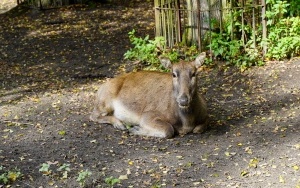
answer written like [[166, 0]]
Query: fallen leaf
[[123, 177], [227, 153], [281, 179], [248, 150], [244, 173], [62, 133], [295, 167], [253, 162]]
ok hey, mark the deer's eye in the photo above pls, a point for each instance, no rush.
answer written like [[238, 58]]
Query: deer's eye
[[193, 74], [174, 75]]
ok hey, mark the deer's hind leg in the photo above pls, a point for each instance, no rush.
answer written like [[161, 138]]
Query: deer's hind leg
[[106, 119], [152, 125], [103, 113], [103, 107]]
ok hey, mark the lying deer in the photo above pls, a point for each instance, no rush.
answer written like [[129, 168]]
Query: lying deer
[[157, 104]]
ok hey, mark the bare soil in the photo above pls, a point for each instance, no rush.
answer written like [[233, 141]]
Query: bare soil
[[52, 62]]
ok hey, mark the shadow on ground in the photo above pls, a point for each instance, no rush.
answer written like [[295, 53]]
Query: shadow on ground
[[59, 48]]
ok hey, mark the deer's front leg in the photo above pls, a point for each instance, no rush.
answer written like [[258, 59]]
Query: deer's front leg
[[201, 127]]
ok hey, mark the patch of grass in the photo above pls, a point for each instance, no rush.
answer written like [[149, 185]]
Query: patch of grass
[[82, 177], [9, 176], [62, 171], [111, 181]]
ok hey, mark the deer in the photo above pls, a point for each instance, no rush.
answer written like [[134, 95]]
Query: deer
[[155, 104]]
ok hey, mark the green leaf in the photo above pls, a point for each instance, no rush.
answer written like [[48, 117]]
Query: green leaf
[[62, 133], [45, 167]]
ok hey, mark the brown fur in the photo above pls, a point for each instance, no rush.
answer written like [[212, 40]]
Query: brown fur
[[157, 104]]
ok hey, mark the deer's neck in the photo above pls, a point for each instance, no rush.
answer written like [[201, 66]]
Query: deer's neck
[[187, 116]]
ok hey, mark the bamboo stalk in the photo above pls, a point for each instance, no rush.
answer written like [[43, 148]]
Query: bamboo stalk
[[157, 18], [167, 23], [221, 16], [243, 25], [164, 26], [170, 23], [209, 23], [253, 24], [178, 20], [264, 25], [231, 21]]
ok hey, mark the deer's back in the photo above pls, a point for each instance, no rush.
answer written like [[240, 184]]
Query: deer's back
[[145, 90], [135, 93]]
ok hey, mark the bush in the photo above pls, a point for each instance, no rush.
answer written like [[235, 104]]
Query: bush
[[144, 50], [283, 40], [147, 51]]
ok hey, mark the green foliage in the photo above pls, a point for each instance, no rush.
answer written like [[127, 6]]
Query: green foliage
[[294, 8], [45, 169], [62, 171], [65, 168], [230, 45], [111, 181], [144, 50], [283, 38], [233, 51], [156, 185], [62, 132], [10, 176], [276, 10], [147, 51], [224, 47], [82, 177]]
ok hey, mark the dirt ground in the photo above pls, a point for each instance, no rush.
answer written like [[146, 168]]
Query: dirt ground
[[52, 62]]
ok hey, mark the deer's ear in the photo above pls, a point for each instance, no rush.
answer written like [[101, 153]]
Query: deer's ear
[[200, 59], [165, 62]]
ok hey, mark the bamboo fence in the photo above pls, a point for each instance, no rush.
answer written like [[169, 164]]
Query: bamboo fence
[[191, 21]]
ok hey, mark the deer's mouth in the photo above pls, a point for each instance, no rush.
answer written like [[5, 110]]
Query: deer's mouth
[[184, 106]]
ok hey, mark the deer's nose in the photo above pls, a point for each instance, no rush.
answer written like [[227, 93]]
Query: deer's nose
[[183, 101]]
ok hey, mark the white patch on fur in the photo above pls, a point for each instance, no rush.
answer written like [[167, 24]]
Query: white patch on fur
[[147, 132], [123, 114]]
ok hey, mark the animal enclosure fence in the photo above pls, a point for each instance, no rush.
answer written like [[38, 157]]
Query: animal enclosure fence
[[191, 22], [47, 4]]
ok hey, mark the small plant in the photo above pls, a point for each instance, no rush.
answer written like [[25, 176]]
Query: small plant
[[45, 169], [82, 177], [283, 39], [62, 171], [10, 176], [156, 185], [144, 50], [223, 47], [62, 132], [65, 168], [148, 51], [111, 181]]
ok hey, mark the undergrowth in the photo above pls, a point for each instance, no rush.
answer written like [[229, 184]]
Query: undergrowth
[[9, 176], [147, 51], [283, 41]]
